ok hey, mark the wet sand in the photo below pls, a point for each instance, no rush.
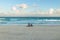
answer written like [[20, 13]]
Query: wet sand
[[17, 32]]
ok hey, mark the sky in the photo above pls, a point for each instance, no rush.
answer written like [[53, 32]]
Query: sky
[[30, 8]]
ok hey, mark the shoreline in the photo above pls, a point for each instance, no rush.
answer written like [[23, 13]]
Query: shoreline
[[32, 24]]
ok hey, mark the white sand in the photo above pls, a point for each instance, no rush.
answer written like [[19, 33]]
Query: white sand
[[17, 32]]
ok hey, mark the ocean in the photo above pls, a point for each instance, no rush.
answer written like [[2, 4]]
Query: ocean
[[37, 32], [32, 20]]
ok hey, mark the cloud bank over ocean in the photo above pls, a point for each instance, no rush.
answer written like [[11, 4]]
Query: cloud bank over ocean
[[34, 8]]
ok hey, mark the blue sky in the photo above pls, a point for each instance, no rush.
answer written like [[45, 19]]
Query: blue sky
[[42, 4]]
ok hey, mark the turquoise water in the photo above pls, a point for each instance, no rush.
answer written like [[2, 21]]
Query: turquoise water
[[26, 20]]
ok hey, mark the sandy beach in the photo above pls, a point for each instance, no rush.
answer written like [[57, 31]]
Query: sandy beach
[[41, 32]]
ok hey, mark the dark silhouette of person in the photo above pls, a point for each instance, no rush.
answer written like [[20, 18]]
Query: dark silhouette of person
[[30, 25]]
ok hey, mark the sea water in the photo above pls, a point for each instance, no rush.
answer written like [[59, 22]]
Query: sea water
[[32, 20]]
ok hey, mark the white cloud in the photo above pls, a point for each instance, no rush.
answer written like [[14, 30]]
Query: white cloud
[[22, 5], [58, 11], [51, 11], [17, 7], [14, 8]]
